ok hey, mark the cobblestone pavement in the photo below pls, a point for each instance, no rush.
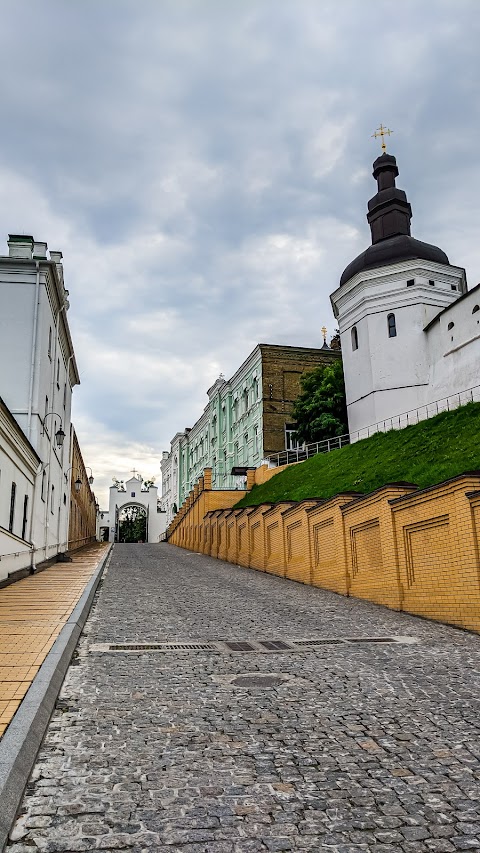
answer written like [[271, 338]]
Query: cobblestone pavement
[[361, 747]]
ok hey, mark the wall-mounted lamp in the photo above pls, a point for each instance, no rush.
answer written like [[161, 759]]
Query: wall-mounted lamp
[[90, 479], [78, 484], [59, 435]]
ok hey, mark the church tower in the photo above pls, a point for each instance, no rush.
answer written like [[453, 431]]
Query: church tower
[[386, 298]]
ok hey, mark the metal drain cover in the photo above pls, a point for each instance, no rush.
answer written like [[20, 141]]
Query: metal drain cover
[[257, 681]]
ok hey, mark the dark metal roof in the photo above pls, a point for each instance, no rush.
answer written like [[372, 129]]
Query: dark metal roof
[[391, 251]]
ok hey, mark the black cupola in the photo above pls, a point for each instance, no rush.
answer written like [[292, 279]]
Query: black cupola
[[389, 215]]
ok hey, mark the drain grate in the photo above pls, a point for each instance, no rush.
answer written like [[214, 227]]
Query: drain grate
[[325, 642], [160, 647], [241, 647], [255, 646], [372, 640]]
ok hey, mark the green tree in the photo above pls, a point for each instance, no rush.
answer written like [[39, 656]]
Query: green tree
[[320, 410]]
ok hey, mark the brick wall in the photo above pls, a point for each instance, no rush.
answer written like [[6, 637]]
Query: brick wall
[[282, 368], [408, 549]]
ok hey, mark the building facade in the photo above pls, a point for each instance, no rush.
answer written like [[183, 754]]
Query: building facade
[[38, 372], [409, 327], [19, 466], [82, 528], [246, 418]]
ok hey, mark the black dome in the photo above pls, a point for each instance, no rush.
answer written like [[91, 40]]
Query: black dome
[[391, 251], [389, 215]]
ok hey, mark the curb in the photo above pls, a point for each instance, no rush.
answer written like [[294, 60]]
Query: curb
[[22, 740]]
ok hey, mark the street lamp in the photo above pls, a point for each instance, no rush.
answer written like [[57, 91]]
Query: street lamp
[[90, 479], [59, 435], [78, 484]]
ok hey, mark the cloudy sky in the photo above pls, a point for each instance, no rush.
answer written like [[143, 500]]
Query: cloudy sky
[[204, 165]]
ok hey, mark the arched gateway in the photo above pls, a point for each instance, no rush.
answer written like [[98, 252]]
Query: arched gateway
[[132, 523], [134, 513]]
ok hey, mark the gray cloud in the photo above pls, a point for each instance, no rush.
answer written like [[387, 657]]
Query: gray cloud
[[205, 167]]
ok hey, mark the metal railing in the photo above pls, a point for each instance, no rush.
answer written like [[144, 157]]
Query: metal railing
[[414, 416], [228, 482], [299, 454]]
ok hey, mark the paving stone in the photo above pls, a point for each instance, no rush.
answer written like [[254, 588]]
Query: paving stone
[[361, 747]]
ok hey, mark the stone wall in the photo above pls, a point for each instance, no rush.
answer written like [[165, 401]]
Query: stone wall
[[399, 546]]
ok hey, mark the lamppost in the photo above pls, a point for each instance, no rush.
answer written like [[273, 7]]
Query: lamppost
[[59, 435], [90, 479], [78, 482]]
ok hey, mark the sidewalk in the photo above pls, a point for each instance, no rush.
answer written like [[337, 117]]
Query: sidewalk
[[33, 611]]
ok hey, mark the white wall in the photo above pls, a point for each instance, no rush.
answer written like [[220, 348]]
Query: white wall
[[133, 494], [18, 464]]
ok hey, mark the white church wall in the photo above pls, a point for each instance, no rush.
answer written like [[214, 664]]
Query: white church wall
[[455, 351]]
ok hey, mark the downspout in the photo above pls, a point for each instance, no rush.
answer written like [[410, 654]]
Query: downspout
[[34, 346], [50, 446]]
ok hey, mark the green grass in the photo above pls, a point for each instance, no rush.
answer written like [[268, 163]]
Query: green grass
[[425, 454]]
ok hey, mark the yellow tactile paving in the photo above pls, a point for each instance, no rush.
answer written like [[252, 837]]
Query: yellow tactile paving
[[33, 611]]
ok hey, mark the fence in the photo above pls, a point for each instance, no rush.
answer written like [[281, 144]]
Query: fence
[[414, 416]]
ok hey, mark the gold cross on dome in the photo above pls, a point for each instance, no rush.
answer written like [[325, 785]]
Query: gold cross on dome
[[383, 132], [324, 333]]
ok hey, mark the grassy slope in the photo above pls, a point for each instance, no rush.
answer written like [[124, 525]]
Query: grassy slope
[[425, 454]]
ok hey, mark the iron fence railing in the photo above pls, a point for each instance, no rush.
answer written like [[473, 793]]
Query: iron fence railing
[[224, 481], [414, 416]]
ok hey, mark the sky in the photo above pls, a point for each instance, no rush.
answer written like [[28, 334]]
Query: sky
[[205, 166]]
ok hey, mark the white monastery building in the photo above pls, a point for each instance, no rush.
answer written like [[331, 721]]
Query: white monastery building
[[37, 374], [409, 328]]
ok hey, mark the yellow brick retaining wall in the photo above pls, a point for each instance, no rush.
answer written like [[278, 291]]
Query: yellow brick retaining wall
[[408, 549]]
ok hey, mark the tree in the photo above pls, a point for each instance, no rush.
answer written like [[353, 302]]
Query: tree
[[320, 410]]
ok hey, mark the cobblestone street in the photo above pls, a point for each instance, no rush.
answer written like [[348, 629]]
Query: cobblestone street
[[345, 747]]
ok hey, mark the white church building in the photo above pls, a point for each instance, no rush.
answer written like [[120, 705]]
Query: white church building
[[409, 327]]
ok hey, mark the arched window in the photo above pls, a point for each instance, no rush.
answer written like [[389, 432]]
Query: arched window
[[392, 326], [450, 326], [354, 338], [475, 309]]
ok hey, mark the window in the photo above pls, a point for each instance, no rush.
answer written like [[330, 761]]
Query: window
[[245, 447], [52, 498], [46, 408], [392, 326], [354, 338], [410, 282], [44, 482], [245, 400], [132, 494], [235, 409], [50, 343], [431, 282], [450, 326], [475, 309], [453, 287], [25, 515], [58, 373], [12, 507], [255, 439], [291, 442], [65, 395]]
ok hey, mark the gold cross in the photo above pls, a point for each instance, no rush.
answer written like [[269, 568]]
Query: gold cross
[[324, 333], [134, 472], [383, 132]]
